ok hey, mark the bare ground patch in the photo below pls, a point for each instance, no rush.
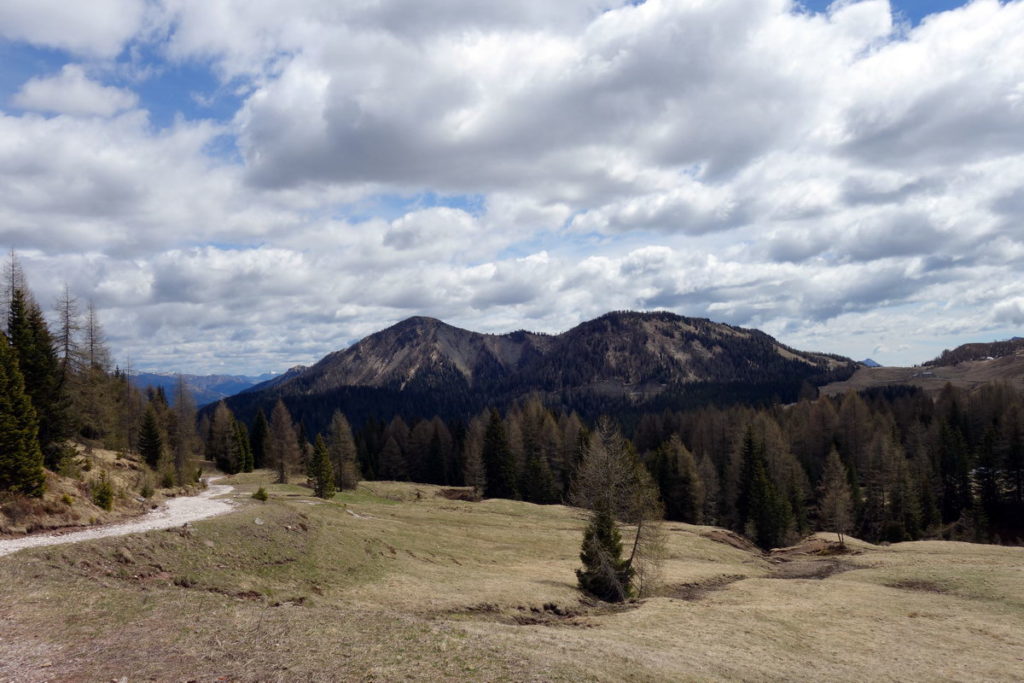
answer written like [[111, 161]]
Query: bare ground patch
[[918, 585], [549, 614], [698, 590]]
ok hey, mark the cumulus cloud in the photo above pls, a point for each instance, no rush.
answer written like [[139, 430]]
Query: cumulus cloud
[[840, 179], [98, 28], [72, 92]]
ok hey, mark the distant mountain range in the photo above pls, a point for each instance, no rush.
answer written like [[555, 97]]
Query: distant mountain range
[[621, 361], [867, 362], [205, 388]]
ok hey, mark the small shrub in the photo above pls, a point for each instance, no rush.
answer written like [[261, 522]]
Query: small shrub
[[147, 489], [87, 465], [103, 493], [261, 494], [67, 500], [167, 479]]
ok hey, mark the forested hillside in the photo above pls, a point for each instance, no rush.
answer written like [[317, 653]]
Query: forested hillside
[[622, 363], [908, 466], [61, 397]]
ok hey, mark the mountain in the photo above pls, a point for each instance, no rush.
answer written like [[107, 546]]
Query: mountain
[[979, 351], [966, 367], [867, 362], [205, 388], [623, 360]]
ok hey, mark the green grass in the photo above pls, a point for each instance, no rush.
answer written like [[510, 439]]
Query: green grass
[[392, 582]]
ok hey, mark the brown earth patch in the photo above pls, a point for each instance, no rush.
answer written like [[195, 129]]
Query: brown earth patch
[[698, 590], [466, 494], [918, 585], [731, 538]]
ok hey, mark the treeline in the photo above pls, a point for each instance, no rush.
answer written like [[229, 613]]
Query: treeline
[[58, 383], [907, 466], [330, 461]]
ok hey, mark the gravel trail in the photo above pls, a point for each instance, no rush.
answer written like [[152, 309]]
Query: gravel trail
[[175, 512]]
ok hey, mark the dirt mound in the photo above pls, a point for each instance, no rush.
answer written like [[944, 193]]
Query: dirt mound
[[731, 538], [815, 545], [467, 494]]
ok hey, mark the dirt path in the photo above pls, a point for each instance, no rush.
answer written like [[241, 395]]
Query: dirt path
[[175, 512]]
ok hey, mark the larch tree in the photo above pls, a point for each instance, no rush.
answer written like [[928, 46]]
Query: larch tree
[[220, 441], [392, 461], [612, 483], [835, 506], [282, 443], [184, 434], [341, 448], [474, 473]]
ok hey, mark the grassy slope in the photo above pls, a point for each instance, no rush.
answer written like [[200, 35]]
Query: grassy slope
[[932, 379], [427, 588]]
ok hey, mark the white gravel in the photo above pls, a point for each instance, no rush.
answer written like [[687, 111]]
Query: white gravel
[[175, 512]]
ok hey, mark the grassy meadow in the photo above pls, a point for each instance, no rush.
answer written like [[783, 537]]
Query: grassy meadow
[[394, 582]]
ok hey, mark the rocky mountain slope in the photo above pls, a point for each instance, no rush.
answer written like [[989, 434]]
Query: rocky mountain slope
[[422, 366]]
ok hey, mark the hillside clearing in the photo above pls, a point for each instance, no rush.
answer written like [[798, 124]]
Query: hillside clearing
[[417, 586]]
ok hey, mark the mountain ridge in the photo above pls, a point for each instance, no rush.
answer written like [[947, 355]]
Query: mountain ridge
[[422, 366]]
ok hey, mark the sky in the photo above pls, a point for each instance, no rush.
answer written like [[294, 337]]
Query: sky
[[242, 186]]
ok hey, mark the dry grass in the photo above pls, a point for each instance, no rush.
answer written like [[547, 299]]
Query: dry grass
[[393, 582], [968, 375]]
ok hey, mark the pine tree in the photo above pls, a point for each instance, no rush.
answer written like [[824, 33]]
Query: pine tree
[[21, 460], [605, 573], [322, 470], [835, 507], [151, 445]]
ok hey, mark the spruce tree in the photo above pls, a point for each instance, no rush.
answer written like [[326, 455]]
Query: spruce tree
[[605, 573], [42, 373], [498, 461], [150, 443], [258, 440], [241, 449], [765, 515], [322, 470], [21, 460]]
